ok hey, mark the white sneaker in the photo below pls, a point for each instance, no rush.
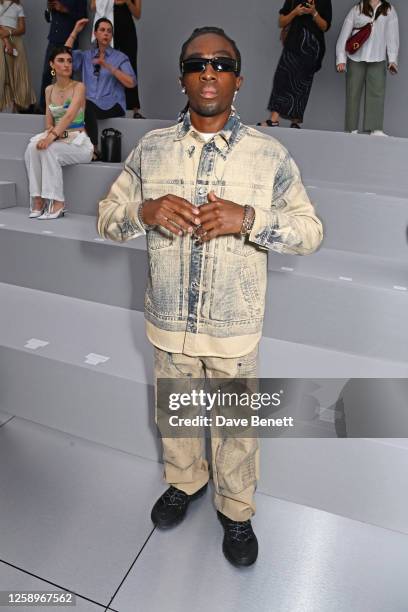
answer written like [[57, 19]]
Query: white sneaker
[[378, 133], [354, 132]]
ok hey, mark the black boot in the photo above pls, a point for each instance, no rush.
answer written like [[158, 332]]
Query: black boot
[[171, 507], [240, 545]]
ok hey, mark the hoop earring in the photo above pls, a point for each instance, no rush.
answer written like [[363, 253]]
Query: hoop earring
[[53, 73]]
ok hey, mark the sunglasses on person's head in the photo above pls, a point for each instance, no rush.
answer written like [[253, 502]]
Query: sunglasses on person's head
[[219, 64]]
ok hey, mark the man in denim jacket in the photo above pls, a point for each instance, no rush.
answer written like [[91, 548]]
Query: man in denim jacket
[[212, 197]]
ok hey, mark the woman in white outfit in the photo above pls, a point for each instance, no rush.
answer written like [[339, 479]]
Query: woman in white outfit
[[368, 66], [63, 143]]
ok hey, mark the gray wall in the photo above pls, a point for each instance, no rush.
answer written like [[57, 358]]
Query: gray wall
[[165, 25]]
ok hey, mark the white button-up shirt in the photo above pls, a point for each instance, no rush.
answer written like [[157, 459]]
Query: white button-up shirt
[[383, 41]]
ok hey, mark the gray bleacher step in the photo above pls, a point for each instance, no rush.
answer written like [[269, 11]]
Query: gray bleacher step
[[111, 403], [7, 194], [353, 160], [32, 124], [88, 367], [332, 264], [73, 261], [382, 271], [356, 229], [13, 144], [338, 314], [319, 300], [16, 122], [66, 256], [338, 157], [84, 184], [361, 221], [132, 130]]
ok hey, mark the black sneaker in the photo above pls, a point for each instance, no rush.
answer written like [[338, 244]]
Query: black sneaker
[[171, 507], [240, 545]]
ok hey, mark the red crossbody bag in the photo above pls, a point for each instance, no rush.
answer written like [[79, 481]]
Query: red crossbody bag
[[357, 40]]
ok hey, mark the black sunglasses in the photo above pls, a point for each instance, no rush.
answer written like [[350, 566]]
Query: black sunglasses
[[219, 64]]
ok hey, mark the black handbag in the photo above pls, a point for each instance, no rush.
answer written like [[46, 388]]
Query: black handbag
[[111, 145]]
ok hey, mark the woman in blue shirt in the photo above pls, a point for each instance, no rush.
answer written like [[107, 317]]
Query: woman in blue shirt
[[106, 72]]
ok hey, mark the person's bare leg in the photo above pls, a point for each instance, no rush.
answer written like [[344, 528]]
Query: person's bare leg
[[56, 205], [38, 203], [274, 118]]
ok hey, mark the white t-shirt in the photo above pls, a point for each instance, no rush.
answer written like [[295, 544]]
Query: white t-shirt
[[383, 41], [9, 13], [207, 135]]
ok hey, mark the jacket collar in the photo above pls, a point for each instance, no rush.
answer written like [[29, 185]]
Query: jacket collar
[[229, 133]]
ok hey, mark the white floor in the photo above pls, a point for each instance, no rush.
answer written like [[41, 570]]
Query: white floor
[[75, 515]]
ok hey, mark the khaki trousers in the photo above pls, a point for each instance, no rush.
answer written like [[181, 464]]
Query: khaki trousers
[[235, 461], [372, 75]]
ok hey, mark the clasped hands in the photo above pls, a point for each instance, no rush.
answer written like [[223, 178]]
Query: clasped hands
[[45, 142], [216, 218]]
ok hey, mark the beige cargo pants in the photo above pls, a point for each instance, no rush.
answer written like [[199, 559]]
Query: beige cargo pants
[[235, 461]]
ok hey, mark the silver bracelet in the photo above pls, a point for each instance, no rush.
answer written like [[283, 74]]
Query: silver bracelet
[[139, 215], [248, 220]]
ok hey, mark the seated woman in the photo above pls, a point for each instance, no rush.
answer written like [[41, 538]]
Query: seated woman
[[106, 72], [63, 143], [15, 84]]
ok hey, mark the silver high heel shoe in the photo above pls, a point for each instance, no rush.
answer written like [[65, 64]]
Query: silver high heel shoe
[[47, 214], [34, 214]]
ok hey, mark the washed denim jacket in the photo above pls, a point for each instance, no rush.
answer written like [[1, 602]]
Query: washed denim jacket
[[216, 288]]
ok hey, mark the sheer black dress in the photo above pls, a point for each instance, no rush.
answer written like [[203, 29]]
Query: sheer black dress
[[301, 58]]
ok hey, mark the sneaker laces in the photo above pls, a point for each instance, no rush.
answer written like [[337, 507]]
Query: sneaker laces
[[174, 497], [241, 531]]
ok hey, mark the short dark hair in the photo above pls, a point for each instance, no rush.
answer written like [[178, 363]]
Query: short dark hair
[[102, 20], [211, 30], [58, 51]]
